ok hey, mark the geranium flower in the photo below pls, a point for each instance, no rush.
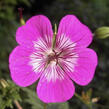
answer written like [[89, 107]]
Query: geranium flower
[[55, 59]]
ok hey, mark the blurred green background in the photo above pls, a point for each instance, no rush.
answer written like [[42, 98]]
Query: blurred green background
[[93, 13]]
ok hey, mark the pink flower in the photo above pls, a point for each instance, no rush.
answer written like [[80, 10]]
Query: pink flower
[[55, 61]]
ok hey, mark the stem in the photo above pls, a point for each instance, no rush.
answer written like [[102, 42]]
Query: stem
[[17, 104], [20, 12], [45, 106], [21, 16], [90, 106]]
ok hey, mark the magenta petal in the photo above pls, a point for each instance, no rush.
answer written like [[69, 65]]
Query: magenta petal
[[85, 67], [21, 72], [42, 24], [55, 91], [35, 27], [26, 35], [75, 30]]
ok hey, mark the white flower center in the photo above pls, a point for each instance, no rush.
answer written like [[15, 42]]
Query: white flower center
[[54, 63]]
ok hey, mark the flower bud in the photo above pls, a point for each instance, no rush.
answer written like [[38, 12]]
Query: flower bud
[[102, 32], [94, 100], [22, 22], [3, 83]]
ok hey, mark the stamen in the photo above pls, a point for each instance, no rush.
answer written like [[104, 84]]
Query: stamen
[[54, 37]]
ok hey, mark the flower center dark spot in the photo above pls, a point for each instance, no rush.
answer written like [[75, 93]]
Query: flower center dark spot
[[54, 56]]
